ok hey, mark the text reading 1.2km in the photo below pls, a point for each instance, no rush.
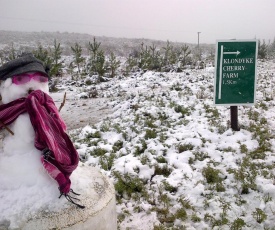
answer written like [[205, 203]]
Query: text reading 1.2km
[[229, 82], [235, 72]]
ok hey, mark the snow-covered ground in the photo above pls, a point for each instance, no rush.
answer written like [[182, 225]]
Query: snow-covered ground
[[171, 154], [175, 161]]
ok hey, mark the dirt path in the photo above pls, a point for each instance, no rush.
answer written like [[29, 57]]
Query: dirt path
[[78, 113]]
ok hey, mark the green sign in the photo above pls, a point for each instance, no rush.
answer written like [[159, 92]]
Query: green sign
[[235, 78]]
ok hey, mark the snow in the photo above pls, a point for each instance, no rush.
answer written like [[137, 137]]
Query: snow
[[185, 143], [25, 186]]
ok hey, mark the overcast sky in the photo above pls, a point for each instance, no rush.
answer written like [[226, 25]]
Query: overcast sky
[[173, 20]]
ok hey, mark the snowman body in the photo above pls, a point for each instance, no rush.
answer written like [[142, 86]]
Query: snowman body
[[29, 197], [25, 186]]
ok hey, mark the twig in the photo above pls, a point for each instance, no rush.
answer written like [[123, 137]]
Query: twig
[[63, 102], [7, 128]]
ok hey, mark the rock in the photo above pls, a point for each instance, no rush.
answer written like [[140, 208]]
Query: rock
[[98, 197]]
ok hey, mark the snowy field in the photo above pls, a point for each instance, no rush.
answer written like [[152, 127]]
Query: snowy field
[[171, 154]]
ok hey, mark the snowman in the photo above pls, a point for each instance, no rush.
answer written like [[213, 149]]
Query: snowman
[[37, 157]]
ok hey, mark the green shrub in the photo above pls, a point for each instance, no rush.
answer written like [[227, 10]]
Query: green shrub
[[150, 134], [200, 156], [195, 218], [243, 148], [161, 159], [183, 110], [139, 150], [117, 146], [164, 170], [181, 214], [259, 215], [98, 152], [184, 147], [127, 184], [211, 175], [107, 162], [93, 135], [169, 188], [238, 224]]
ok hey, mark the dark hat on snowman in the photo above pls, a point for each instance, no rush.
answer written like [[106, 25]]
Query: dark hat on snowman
[[25, 63]]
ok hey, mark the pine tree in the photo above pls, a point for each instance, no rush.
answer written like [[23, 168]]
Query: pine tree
[[271, 49], [185, 52], [114, 64], [100, 63], [96, 62], [12, 53], [167, 53], [262, 50], [43, 55], [78, 59], [170, 56], [94, 48], [154, 56], [145, 58], [57, 64], [131, 62], [2, 57]]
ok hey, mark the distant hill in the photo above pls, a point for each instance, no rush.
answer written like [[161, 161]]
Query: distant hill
[[120, 46]]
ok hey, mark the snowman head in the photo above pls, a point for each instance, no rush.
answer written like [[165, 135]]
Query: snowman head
[[21, 76]]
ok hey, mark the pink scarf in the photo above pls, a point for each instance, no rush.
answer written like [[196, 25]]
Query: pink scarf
[[59, 158]]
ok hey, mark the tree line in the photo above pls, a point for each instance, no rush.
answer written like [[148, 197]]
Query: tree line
[[162, 59]]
